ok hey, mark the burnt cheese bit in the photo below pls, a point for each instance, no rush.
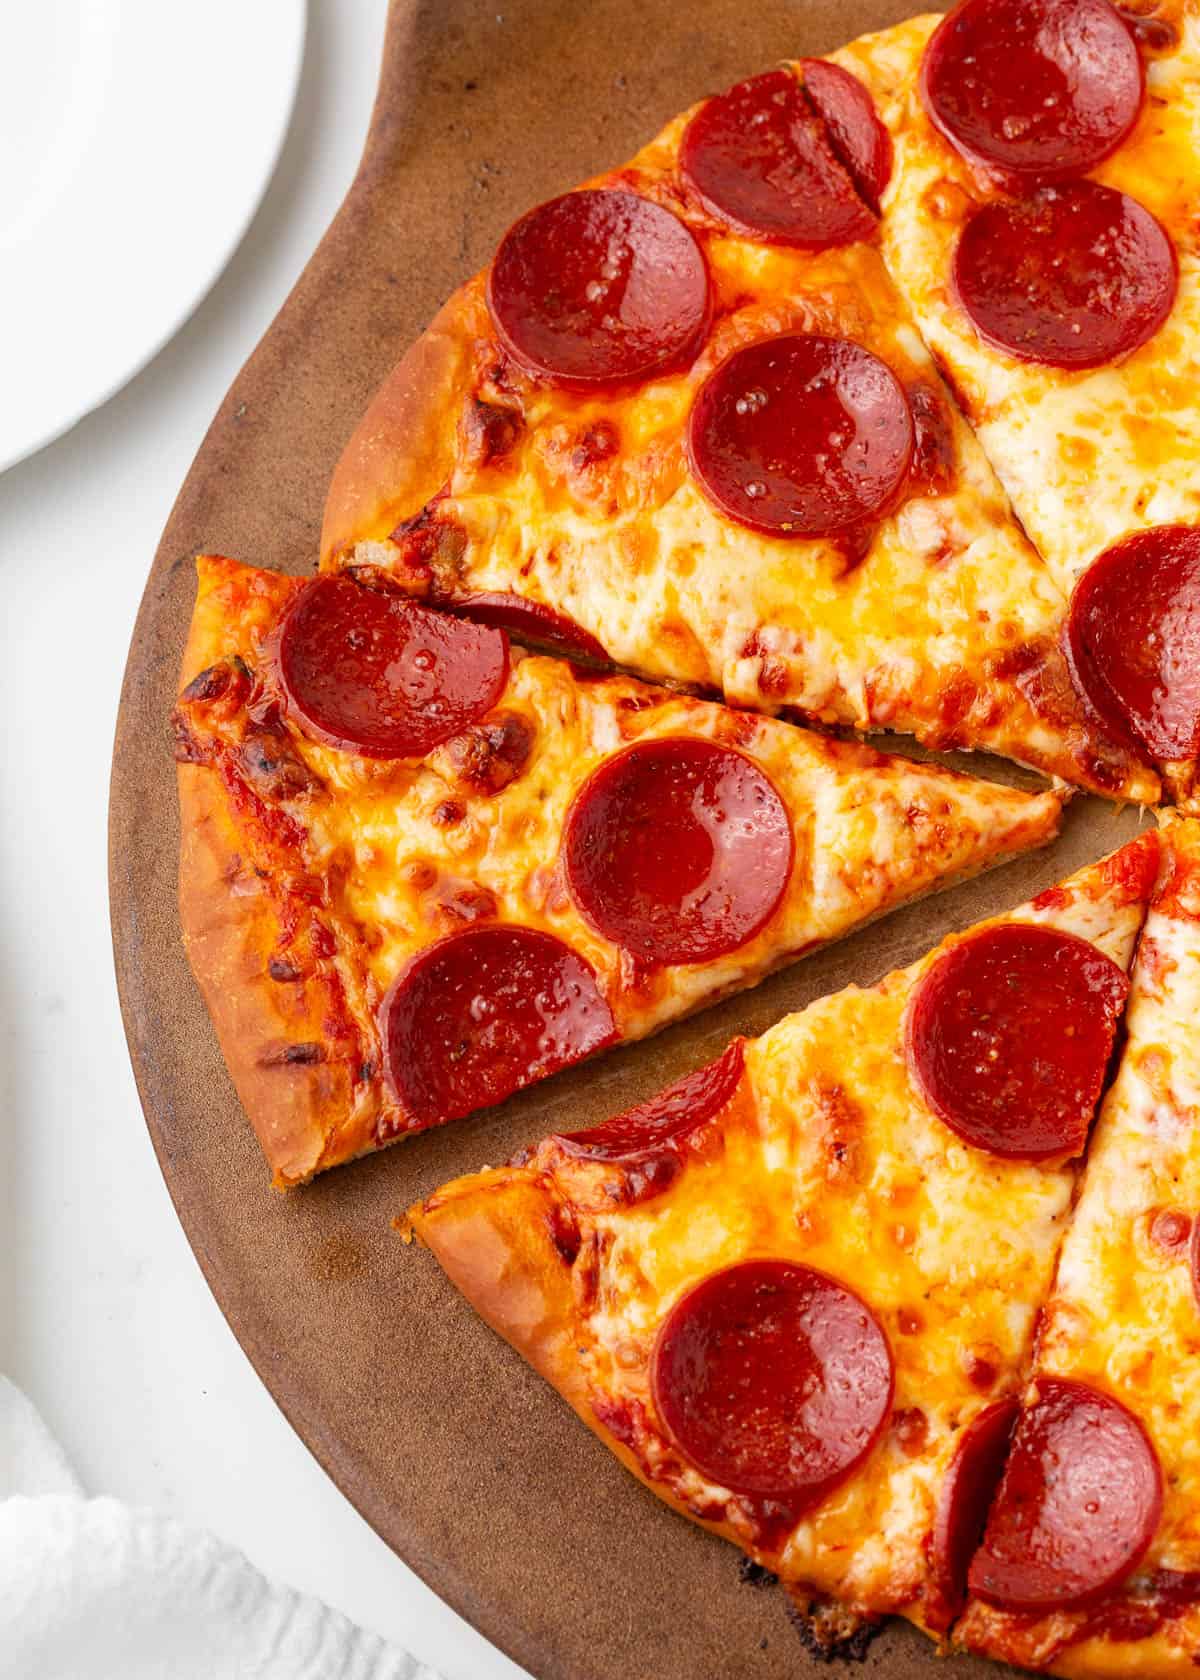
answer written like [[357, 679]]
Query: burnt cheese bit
[[489, 755], [271, 767], [489, 432], [429, 549]]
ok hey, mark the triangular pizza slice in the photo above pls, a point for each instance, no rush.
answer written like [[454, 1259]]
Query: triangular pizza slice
[[421, 869], [686, 423], [1091, 1560], [1040, 222], [796, 1292]]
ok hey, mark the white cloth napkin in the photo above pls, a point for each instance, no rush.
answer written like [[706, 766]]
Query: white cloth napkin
[[93, 1590]]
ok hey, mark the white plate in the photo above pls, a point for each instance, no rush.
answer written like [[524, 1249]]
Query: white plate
[[136, 139]]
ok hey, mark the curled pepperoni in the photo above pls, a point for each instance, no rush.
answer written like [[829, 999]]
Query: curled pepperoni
[[1038, 90], [376, 674], [1078, 1504], [759, 158], [1073, 277], [773, 1379], [482, 1014], [598, 288], [971, 1480], [855, 133], [1134, 636], [678, 850], [531, 621], [681, 1108], [801, 436], [1009, 1036]]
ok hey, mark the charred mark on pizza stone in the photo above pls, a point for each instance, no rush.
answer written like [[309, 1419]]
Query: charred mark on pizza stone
[[755, 1575], [830, 1633]]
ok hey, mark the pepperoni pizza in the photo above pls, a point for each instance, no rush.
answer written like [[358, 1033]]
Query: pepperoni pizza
[[796, 1294], [685, 419], [1095, 1569], [422, 869], [1040, 221]]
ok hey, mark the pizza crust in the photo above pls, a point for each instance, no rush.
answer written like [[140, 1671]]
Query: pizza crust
[[405, 442], [493, 1236]]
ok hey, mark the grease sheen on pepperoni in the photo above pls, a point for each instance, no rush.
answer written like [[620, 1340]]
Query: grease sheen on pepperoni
[[857, 136], [1134, 632], [1078, 1504], [683, 1107], [598, 288], [1038, 90], [1072, 277], [530, 621], [759, 158], [483, 1013], [801, 436], [966, 1494], [1009, 1036], [773, 1379], [376, 674], [679, 850]]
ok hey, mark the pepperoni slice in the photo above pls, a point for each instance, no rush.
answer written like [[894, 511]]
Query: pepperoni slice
[[681, 1108], [482, 1014], [1134, 636], [1073, 277], [678, 850], [773, 1379], [801, 436], [963, 1503], [1194, 1259], [376, 674], [855, 133], [760, 159], [1078, 1504], [531, 621], [598, 288], [1009, 1036], [1039, 90]]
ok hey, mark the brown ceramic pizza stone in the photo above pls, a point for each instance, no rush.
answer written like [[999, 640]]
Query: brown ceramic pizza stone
[[456, 1453]]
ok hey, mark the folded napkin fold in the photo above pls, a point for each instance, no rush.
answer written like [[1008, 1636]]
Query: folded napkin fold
[[91, 1589]]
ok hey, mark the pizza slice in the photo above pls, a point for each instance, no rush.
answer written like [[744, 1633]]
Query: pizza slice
[[1041, 223], [1091, 1560], [685, 423], [796, 1293], [421, 869]]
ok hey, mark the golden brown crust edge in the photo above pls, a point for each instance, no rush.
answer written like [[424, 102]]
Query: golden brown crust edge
[[493, 1234], [306, 1114], [406, 438], [230, 929]]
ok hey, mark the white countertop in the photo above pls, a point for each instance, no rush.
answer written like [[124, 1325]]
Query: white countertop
[[105, 1319]]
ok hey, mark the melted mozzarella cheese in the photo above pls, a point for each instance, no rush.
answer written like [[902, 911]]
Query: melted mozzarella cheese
[[1123, 1315], [408, 851], [948, 589], [1088, 456], [845, 1169]]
